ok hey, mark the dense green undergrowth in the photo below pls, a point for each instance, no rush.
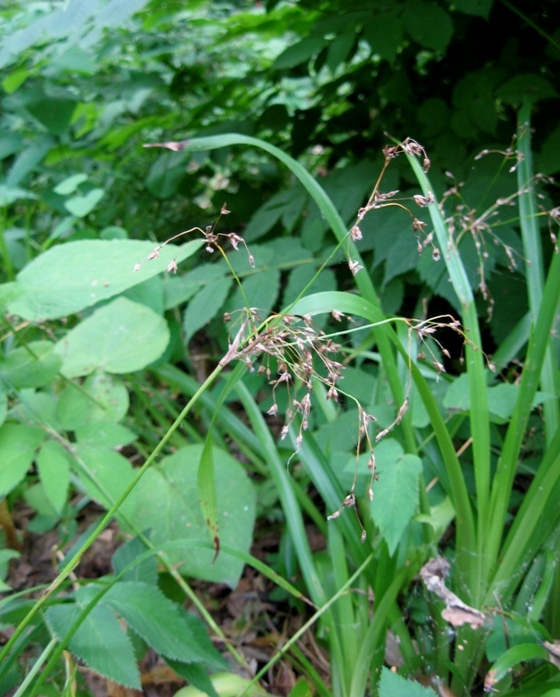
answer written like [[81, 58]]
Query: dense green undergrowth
[[367, 345]]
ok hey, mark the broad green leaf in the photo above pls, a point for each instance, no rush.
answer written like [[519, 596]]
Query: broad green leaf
[[146, 570], [8, 291], [526, 86], [70, 184], [179, 289], [80, 206], [429, 25], [156, 619], [299, 53], [205, 305], [104, 434], [340, 48], [99, 641], [72, 276], [261, 291], [32, 366], [166, 501], [286, 206], [301, 276], [385, 36], [479, 8], [120, 337], [396, 492], [38, 407], [102, 398], [501, 398], [109, 474], [149, 293], [53, 107], [394, 685], [17, 450], [54, 469]]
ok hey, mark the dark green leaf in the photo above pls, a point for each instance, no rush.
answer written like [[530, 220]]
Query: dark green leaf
[[145, 571], [428, 25], [100, 642], [206, 305], [479, 8], [156, 619]]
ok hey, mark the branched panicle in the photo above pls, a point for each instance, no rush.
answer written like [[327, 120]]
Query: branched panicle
[[212, 242], [379, 199]]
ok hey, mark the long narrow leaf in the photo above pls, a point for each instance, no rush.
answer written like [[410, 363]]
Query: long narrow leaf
[[507, 463], [532, 249], [479, 415]]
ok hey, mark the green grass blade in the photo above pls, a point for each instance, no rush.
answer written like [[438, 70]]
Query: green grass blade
[[479, 415], [284, 487], [530, 378], [532, 248]]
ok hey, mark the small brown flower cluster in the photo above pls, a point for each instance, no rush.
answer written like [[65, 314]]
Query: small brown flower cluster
[[379, 199], [288, 348], [212, 239]]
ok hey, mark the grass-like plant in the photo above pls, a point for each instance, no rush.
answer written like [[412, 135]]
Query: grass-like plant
[[502, 557]]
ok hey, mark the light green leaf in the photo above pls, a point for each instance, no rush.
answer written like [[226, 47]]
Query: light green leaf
[[104, 434], [156, 619], [80, 205], [205, 305], [17, 449], [72, 276], [102, 398], [394, 685], [8, 291], [166, 501], [32, 366], [396, 492], [11, 194], [99, 641], [109, 474], [70, 184], [120, 337], [53, 464]]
